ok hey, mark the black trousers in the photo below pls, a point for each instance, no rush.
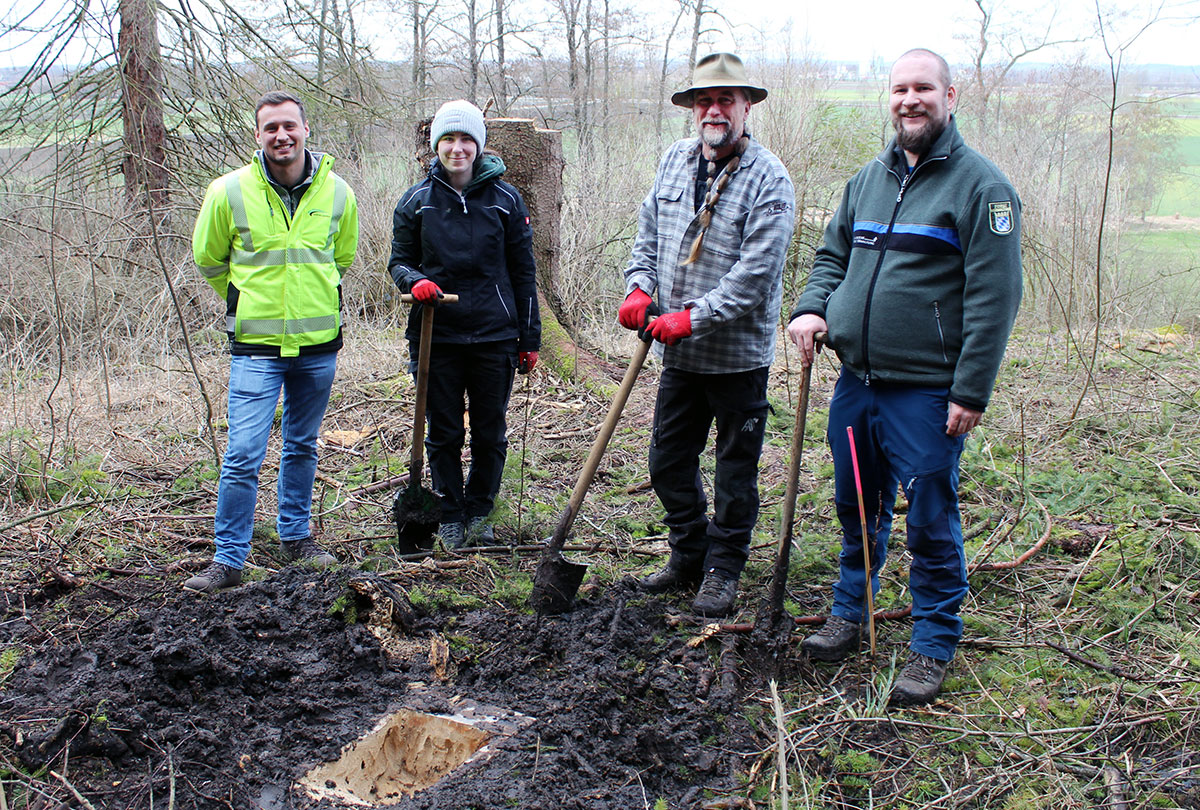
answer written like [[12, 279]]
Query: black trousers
[[479, 376], [688, 404]]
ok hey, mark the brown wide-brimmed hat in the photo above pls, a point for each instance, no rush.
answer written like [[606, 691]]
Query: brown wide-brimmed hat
[[718, 70]]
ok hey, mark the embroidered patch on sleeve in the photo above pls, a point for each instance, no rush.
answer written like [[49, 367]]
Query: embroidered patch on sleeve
[[1000, 217], [778, 208]]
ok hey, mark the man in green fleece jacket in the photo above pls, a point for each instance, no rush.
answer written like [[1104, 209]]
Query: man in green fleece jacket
[[917, 285]]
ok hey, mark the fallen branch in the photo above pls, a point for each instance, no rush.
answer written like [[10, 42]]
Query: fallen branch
[[78, 796], [1087, 662], [394, 482]]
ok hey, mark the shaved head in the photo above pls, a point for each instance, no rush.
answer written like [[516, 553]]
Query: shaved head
[[943, 65]]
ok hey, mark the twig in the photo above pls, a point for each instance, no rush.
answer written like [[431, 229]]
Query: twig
[[780, 747], [380, 486], [46, 513], [78, 796], [1114, 783], [1136, 618], [171, 777], [1079, 659]]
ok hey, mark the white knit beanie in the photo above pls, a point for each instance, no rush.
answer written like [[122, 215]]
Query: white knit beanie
[[458, 116]]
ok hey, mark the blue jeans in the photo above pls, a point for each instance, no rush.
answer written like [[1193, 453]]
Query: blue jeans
[[254, 386], [900, 437]]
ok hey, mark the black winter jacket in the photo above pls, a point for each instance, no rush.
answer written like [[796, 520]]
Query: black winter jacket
[[477, 245]]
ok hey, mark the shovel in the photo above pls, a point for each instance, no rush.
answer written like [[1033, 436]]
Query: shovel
[[557, 579], [772, 608], [416, 509]]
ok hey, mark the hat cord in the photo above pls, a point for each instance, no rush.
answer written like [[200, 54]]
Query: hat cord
[[715, 187]]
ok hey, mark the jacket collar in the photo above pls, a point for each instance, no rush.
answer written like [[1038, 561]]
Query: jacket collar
[[312, 164], [487, 168]]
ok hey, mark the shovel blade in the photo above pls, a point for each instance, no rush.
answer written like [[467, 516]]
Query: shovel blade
[[417, 513], [555, 585]]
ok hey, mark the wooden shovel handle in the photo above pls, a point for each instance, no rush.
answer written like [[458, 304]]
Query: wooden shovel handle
[[447, 298], [783, 552], [416, 461], [598, 447]]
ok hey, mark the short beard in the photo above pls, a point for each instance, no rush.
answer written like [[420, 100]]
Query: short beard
[[714, 141], [918, 141]]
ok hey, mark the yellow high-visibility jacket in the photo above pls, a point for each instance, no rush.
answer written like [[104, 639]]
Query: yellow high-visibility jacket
[[280, 274]]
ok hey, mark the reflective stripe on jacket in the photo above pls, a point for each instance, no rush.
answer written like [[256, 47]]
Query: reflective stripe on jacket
[[279, 274]]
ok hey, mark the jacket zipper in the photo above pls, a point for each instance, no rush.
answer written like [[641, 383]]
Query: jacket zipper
[[937, 317], [461, 197], [904, 182]]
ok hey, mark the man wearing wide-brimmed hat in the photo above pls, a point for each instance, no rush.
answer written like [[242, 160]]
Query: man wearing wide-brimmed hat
[[712, 236]]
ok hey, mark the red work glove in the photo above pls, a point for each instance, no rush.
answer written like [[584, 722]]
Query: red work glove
[[671, 327], [426, 291], [526, 361], [632, 314]]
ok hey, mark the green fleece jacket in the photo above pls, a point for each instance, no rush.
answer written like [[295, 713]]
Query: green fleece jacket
[[919, 276]]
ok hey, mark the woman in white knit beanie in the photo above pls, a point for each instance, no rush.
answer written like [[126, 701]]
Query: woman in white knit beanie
[[465, 231]]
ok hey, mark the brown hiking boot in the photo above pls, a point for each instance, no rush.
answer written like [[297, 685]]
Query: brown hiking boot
[[837, 639], [671, 577], [920, 680], [717, 595], [307, 550], [214, 578]]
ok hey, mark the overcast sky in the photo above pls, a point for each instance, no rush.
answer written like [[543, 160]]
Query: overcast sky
[[853, 30], [860, 30]]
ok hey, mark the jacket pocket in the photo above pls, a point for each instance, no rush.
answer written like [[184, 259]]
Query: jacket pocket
[[510, 315], [937, 321]]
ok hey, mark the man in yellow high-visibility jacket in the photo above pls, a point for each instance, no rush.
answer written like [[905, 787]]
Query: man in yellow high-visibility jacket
[[274, 238]]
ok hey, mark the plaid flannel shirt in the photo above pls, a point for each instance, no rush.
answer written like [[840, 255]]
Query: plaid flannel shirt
[[735, 288]]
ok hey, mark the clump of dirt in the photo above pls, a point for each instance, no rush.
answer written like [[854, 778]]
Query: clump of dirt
[[229, 699]]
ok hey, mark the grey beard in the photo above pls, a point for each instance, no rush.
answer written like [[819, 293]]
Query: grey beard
[[714, 141], [918, 142]]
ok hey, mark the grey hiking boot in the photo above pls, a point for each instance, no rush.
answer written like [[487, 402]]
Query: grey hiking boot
[[480, 532], [307, 550], [214, 578], [453, 534], [919, 681], [671, 577], [833, 642], [717, 594]]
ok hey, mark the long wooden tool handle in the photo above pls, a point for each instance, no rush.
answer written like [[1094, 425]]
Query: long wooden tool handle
[[417, 459], [783, 552], [447, 298], [866, 542], [598, 447]]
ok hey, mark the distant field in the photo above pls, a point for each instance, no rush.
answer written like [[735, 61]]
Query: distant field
[[1181, 194]]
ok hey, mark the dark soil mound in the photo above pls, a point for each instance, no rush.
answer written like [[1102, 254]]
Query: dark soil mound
[[227, 700]]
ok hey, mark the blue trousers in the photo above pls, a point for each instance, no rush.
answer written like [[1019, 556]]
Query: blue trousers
[[900, 437], [254, 386], [687, 406]]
